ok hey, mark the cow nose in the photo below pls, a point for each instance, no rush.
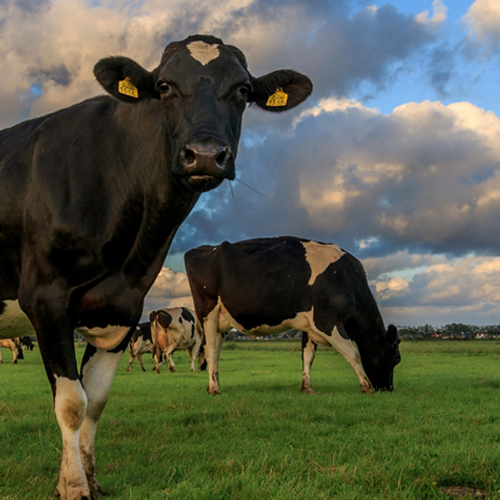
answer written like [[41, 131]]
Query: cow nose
[[205, 159]]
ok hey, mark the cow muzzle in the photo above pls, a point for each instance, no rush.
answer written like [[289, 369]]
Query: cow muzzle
[[203, 165]]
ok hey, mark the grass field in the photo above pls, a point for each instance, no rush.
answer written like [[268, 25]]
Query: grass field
[[162, 436]]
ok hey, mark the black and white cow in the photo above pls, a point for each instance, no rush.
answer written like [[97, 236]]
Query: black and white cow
[[175, 329], [270, 285], [90, 199], [140, 343]]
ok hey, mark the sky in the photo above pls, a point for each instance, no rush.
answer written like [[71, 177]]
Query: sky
[[395, 157]]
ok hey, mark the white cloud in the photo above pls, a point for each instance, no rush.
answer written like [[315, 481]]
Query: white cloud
[[483, 20], [439, 11]]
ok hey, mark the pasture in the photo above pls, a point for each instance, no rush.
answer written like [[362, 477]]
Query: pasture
[[162, 436]]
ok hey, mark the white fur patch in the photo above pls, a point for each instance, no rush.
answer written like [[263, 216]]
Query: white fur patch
[[319, 257], [104, 338], [203, 52], [13, 321]]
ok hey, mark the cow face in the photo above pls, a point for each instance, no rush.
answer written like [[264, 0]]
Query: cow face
[[202, 86], [379, 363]]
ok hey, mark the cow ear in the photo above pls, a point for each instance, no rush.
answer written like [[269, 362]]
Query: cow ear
[[280, 90], [152, 316], [125, 79]]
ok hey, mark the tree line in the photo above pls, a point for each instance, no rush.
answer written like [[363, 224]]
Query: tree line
[[452, 330]]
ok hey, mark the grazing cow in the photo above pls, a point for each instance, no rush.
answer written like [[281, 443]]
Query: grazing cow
[[140, 343], [26, 342], [175, 329], [270, 285], [13, 345], [90, 199]]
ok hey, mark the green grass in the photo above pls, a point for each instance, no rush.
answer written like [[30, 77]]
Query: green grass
[[162, 436]]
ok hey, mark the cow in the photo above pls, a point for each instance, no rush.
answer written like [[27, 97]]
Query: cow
[[14, 346], [27, 342], [173, 330], [91, 197], [270, 285], [140, 343]]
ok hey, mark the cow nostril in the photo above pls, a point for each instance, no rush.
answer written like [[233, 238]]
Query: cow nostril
[[220, 159], [189, 156]]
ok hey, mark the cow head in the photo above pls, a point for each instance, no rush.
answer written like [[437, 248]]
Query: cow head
[[380, 360], [203, 86]]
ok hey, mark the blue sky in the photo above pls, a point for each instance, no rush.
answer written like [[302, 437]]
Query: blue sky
[[395, 156]]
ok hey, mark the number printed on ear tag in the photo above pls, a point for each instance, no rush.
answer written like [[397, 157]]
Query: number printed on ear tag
[[128, 88], [278, 99]]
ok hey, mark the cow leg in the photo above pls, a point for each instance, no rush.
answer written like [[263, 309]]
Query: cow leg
[[308, 353], [213, 347], [157, 354], [339, 339], [98, 370], [170, 359], [55, 338], [131, 360], [14, 355], [139, 359], [193, 352], [1, 360]]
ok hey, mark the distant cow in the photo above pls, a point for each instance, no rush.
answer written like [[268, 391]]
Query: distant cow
[[91, 198], [269, 285], [26, 342], [173, 330], [140, 343], [13, 345]]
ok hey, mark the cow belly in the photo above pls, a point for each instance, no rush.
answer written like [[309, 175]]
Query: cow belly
[[104, 338], [226, 321], [13, 321]]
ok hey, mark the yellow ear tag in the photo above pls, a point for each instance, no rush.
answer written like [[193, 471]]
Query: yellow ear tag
[[128, 88], [278, 99]]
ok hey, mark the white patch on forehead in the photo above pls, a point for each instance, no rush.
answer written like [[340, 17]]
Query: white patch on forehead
[[319, 257], [203, 52], [13, 321]]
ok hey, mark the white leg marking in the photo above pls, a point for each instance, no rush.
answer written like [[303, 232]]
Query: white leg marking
[[212, 349], [70, 405], [350, 352], [97, 377]]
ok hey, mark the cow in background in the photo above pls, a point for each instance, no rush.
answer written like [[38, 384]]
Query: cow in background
[[140, 343], [26, 342], [14, 346], [270, 285], [173, 330], [91, 198]]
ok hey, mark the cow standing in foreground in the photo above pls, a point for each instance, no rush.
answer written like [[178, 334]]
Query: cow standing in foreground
[[173, 330], [90, 199], [270, 285]]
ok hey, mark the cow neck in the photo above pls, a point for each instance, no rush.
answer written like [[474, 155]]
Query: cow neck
[[166, 200]]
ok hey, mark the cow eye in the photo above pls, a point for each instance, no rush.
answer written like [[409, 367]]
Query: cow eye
[[162, 87], [244, 90]]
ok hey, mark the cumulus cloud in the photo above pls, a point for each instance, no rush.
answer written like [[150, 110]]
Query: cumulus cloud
[[171, 289], [425, 176], [436, 289], [50, 65], [483, 21]]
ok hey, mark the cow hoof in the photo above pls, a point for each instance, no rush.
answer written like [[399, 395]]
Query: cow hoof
[[213, 392], [307, 390], [367, 390], [172, 370], [75, 495]]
